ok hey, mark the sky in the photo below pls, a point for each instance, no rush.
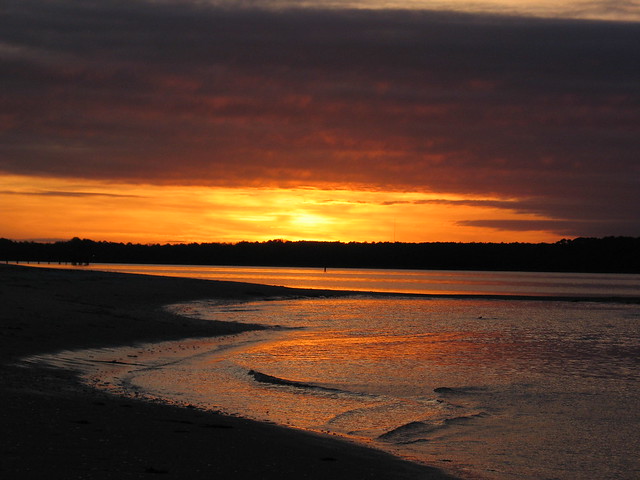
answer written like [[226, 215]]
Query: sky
[[415, 121]]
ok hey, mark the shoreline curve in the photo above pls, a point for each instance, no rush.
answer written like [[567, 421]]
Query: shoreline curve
[[55, 426]]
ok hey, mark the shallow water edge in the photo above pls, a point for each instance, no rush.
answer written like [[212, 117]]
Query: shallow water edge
[[445, 415]]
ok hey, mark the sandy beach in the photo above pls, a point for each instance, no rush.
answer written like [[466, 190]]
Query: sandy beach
[[55, 427]]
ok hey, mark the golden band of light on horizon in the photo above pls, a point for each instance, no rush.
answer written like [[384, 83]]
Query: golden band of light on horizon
[[166, 214]]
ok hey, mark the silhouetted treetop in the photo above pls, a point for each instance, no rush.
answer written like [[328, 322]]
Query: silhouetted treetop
[[609, 254]]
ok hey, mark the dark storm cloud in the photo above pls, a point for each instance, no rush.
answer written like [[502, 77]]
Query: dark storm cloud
[[564, 228], [59, 193], [546, 111], [560, 227]]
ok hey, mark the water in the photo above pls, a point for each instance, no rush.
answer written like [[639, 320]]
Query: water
[[489, 389], [404, 281], [484, 388]]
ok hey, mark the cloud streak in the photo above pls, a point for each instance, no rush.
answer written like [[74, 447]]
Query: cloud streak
[[545, 113], [65, 194]]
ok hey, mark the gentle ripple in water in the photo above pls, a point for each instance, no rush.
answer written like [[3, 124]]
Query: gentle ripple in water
[[492, 389]]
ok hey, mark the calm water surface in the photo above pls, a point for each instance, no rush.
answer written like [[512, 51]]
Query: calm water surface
[[484, 388], [404, 281]]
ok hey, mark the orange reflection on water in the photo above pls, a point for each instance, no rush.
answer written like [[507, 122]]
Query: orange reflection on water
[[441, 348]]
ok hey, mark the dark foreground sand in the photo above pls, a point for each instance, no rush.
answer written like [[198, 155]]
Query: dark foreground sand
[[52, 427]]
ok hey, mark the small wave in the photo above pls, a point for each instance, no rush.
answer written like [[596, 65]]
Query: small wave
[[458, 390], [413, 432], [269, 379], [409, 431], [464, 418]]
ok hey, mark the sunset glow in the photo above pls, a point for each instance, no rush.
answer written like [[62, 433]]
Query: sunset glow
[[168, 214], [345, 121]]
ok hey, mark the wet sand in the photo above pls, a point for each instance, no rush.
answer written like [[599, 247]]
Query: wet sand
[[54, 427]]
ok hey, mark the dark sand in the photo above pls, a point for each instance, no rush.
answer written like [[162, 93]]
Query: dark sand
[[53, 427]]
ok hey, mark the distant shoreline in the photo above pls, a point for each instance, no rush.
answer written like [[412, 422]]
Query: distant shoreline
[[580, 255]]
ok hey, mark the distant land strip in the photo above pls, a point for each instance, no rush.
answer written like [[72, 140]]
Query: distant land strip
[[581, 255]]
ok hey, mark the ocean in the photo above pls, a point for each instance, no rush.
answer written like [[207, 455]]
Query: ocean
[[540, 385]]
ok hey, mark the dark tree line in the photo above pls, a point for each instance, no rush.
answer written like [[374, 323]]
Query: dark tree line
[[610, 254]]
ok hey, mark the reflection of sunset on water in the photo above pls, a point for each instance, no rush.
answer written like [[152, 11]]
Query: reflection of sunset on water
[[438, 348], [438, 282], [474, 381]]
